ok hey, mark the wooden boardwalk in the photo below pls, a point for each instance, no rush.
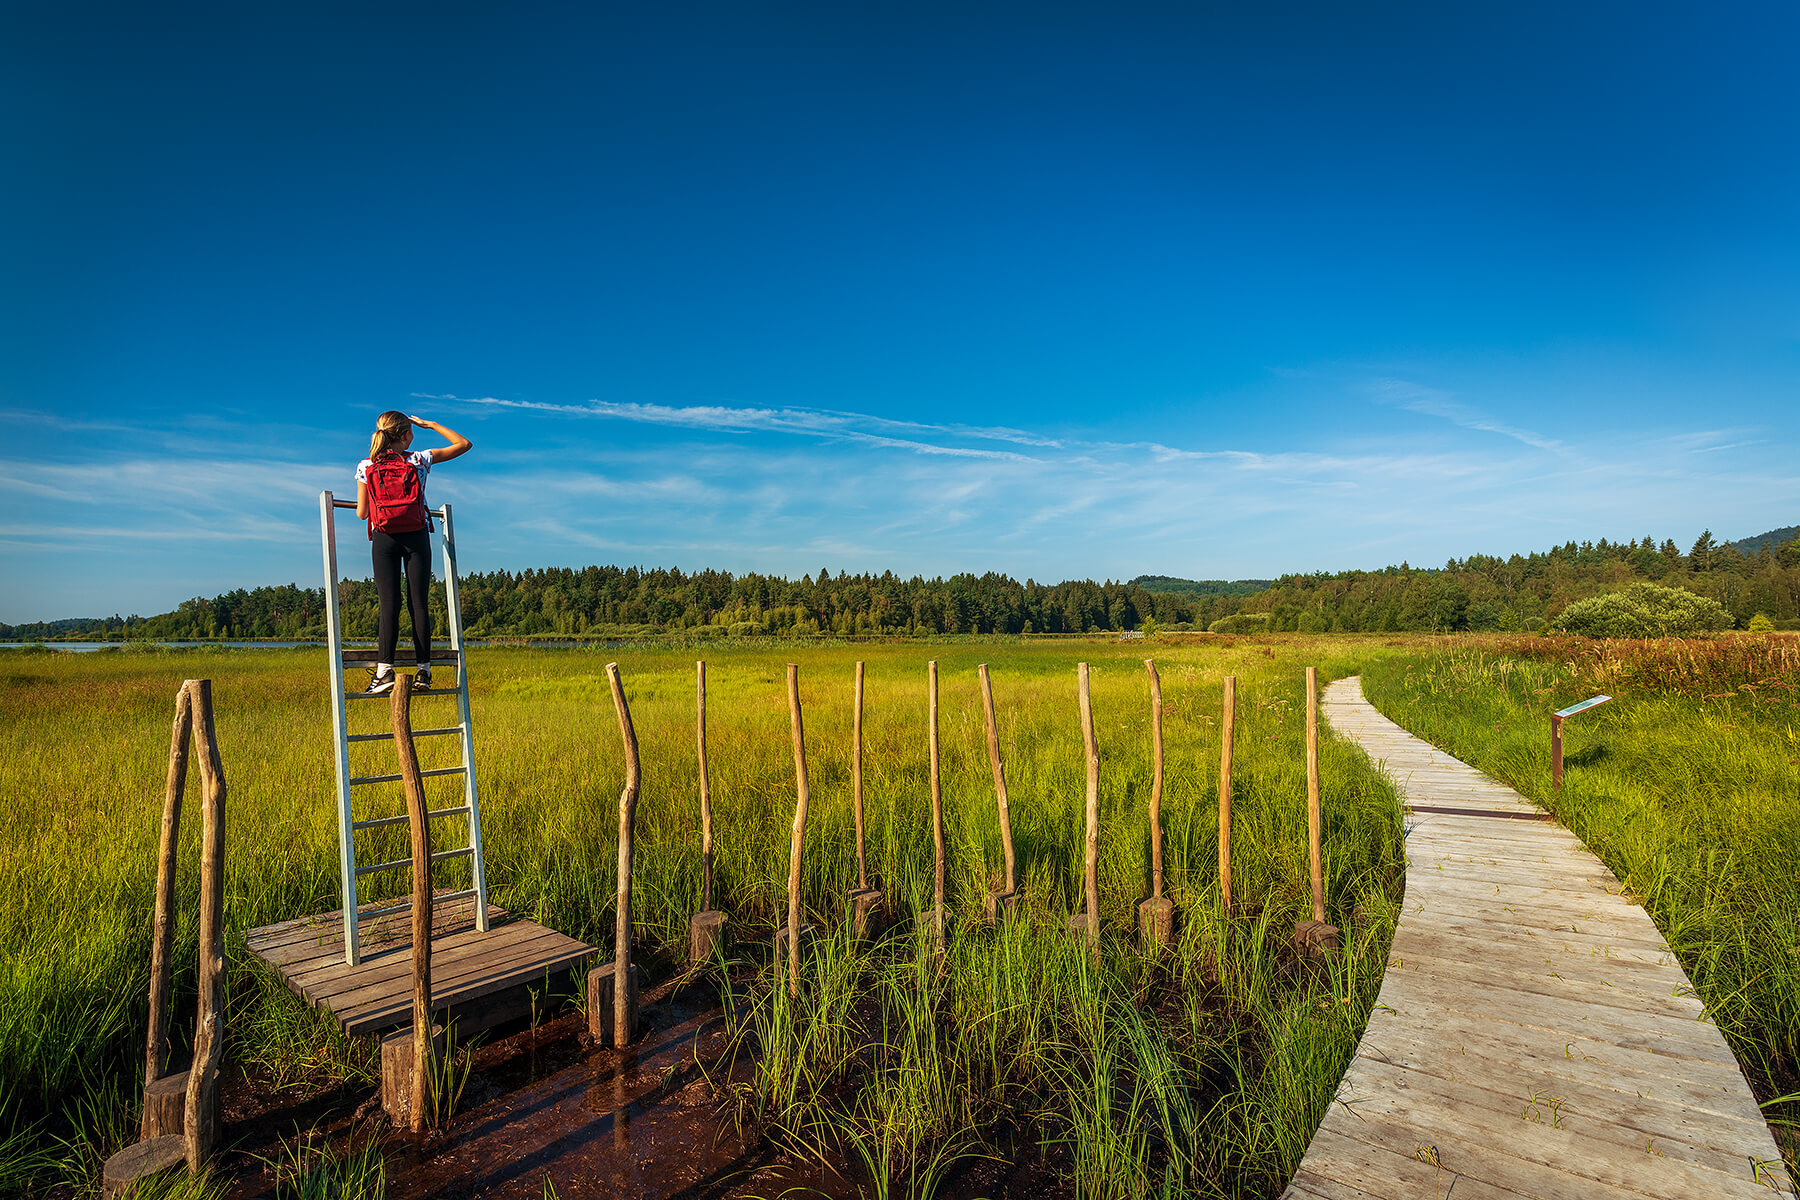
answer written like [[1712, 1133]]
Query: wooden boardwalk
[[481, 978], [1534, 1036]]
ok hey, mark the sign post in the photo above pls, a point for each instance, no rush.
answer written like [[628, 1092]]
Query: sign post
[[1556, 720]]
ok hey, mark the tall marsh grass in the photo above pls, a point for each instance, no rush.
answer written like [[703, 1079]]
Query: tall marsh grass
[[1202, 1073]]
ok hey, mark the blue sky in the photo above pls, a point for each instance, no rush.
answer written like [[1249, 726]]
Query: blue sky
[[1057, 291]]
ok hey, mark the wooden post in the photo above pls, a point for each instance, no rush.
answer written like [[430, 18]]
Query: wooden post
[[1091, 876], [865, 901], [1007, 897], [856, 782], [1314, 818], [162, 941], [200, 1120], [1156, 915], [421, 1103], [1315, 940], [1227, 734], [938, 918], [706, 841], [706, 928], [802, 799], [1556, 764], [624, 1007]]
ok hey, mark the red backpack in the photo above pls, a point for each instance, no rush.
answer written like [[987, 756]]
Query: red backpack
[[396, 496]]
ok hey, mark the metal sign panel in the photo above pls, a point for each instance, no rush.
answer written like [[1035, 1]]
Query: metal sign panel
[[1590, 702]]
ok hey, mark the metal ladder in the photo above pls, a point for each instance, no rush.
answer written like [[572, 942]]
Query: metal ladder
[[349, 870]]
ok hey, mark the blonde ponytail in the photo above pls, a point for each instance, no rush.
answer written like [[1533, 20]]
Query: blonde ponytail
[[389, 427]]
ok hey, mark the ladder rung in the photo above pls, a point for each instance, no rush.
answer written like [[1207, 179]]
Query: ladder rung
[[435, 813], [360, 779], [363, 914], [356, 657], [440, 856], [418, 733], [389, 695]]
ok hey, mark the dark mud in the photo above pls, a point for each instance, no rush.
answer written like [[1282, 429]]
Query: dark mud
[[544, 1106]]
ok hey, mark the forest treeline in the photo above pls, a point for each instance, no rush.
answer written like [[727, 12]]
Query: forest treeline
[[1482, 592]]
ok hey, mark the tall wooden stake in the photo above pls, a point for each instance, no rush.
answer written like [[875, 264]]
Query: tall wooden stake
[[624, 1005], [937, 812], [706, 841], [200, 1121], [856, 782], [1227, 734], [1156, 780], [1556, 757], [422, 1103], [999, 769], [1092, 858], [1314, 821], [802, 798], [162, 942]]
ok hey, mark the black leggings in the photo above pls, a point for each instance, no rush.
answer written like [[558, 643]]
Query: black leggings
[[388, 550]]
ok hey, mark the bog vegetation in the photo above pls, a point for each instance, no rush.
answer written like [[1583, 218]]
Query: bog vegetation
[[1202, 1072]]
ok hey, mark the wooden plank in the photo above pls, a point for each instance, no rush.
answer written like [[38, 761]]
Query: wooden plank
[[341, 987], [1446, 1037], [469, 968], [1538, 1159], [1641, 1125], [1378, 1171]]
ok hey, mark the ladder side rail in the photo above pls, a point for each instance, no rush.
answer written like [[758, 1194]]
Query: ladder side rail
[[453, 602], [334, 634]]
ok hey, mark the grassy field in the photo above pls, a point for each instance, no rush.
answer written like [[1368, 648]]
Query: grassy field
[[1203, 1073], [1687, 784]]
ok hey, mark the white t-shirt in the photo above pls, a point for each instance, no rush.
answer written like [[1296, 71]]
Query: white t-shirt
[[420, 459]]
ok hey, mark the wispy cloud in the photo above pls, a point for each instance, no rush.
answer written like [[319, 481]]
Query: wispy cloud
[[1435, 402], [813, 422]]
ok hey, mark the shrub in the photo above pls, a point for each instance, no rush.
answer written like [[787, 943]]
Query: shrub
[[1240, 623], [1760, 623], [1644, 610]]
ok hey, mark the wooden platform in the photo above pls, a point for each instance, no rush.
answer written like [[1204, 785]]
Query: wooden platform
[[1534, 1036], [482, 979]]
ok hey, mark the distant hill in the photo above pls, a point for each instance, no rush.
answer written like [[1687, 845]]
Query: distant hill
[[1772, 539], [1168, 585]]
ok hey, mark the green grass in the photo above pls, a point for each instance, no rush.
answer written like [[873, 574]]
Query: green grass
[[1202, 1073], [1687, 785]]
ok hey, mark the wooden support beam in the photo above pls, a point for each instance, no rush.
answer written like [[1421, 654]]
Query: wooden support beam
[[200, 1119], [865, 901], [624, 1022], [162, 939], [706, 836], [1091, 863], [796, 848], [1227, 735], [421, 1110], [1315, 849], [1156, 916], [938, 918], [706, 928], [1006, 898]]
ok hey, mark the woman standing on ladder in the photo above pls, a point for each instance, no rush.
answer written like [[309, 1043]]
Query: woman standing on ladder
[[390, 496]]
